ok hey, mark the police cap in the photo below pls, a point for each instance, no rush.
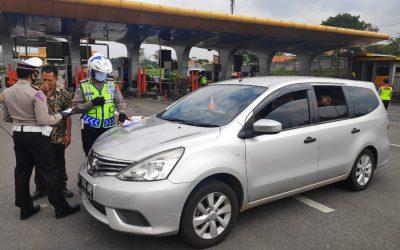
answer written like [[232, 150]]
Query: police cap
[[33, 63]]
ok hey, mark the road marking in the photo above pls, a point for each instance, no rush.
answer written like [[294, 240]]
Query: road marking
[[395, 145], [395, 124], [313, 204]]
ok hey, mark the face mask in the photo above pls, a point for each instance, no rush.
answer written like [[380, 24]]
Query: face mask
[[100, 76]]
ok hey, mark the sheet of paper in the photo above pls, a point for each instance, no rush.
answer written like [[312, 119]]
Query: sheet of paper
[[68, 110]]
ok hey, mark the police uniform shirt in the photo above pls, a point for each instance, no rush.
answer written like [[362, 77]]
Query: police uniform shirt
[[23, 105]]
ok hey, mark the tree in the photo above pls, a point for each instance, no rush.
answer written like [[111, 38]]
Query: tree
[[346, 20], [390, 48]]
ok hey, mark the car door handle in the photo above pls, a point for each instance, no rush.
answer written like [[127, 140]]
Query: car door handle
[[355, 130], [310, 140]]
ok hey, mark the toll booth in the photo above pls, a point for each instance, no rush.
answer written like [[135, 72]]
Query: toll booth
[[376, 67], [212, 72]]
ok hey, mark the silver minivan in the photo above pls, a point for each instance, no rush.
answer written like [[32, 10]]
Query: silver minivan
[[231, 146]]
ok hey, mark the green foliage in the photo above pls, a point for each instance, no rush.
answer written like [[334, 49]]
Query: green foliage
[[155, 72], [283, 72], [174, 76], [346, 20], [203, 61], [391, 48], [248, 58], [3, 69]]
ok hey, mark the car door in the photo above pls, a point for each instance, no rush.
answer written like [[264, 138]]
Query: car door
[[336, 132], [287, 160]]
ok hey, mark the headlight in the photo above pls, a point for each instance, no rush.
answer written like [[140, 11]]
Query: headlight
[[155, 167]]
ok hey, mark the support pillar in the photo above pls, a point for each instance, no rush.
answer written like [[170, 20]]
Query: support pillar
[[5, 42], [133, 57], [264, 61], [182, 58], [226, 57], [305, 59]]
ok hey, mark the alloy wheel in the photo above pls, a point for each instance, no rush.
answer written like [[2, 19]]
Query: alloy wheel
[[212, 215], [364, 170]]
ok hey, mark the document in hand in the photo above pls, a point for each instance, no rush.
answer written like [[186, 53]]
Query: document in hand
[[134, 120]]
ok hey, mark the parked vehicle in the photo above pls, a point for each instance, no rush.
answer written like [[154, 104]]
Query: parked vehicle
[[231, 146]]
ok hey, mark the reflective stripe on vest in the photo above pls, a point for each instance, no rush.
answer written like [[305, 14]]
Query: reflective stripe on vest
[[99, 116], [386, 92]]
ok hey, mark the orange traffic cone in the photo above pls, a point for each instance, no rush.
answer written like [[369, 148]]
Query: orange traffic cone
[[211, 105]]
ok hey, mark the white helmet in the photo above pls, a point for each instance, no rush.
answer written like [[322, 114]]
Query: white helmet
[[99, 63]]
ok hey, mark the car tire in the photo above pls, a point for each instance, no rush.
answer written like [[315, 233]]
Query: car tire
[[362, 171], [204, 224]]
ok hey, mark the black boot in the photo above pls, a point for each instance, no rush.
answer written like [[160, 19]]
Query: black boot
[[24, 215], [67, 211]]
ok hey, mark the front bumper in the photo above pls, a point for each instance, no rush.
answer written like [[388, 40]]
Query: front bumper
[[159, 202]]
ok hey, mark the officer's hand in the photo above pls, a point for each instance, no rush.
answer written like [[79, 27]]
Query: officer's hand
[[64, 114], [98, 101], [121, 118]]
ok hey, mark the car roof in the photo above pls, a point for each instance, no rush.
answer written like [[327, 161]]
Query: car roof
[[268, 81]]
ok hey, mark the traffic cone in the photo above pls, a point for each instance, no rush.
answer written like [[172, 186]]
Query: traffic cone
[[211, 105]]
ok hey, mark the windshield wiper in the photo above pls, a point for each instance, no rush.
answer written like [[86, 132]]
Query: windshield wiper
[[192, 123]]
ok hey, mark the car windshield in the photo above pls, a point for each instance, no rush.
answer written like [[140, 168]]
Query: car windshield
[[212, 106]]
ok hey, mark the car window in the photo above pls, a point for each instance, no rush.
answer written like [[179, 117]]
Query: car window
[[331, 103], [364, 100], [212, 106], [292, 110]]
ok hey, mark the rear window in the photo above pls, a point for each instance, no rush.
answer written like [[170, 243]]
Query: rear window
[[331, 103], [364, 100]]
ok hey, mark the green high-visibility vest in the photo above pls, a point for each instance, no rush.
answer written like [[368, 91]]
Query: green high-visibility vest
[[203, 80], [99, 116], [386, 92]]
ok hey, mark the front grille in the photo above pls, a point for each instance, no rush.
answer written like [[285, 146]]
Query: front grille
[[98, 165]]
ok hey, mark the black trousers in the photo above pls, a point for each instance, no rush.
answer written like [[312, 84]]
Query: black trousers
[[89, 135], [59, 153], [386, 103], [34, 149]]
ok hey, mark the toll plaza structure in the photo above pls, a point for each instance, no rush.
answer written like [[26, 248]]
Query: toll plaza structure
[[376, 67], [61, 25]]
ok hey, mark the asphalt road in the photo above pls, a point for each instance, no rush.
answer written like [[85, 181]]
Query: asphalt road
[[361, 220]]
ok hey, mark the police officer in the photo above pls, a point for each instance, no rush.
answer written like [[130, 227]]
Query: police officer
[[203, 80], [385, 92], [27, 109], [97, 99]]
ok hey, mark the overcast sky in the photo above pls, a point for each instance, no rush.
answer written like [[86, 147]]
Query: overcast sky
[[383, 13]]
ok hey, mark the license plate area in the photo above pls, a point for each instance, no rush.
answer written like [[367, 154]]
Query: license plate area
[[85, 186]]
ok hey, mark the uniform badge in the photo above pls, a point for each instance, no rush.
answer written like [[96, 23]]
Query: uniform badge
[[40, 96]]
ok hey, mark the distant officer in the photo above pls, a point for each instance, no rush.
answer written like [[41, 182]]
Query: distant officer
[[97, 99], [203, 80], [385, 92], [27, 109]]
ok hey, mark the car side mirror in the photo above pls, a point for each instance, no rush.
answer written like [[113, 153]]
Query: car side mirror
[[267, 126]]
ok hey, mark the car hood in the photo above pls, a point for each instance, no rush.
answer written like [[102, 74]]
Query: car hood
[[154, 135]]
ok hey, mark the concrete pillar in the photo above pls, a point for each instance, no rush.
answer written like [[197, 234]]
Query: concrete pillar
[[5, 42], [74, 43], [182, 58], [133, 57], [226, 57], [305, 59], [265, 61]]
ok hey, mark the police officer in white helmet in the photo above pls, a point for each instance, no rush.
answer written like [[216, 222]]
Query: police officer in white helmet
[[27, 109], [97, 98]]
